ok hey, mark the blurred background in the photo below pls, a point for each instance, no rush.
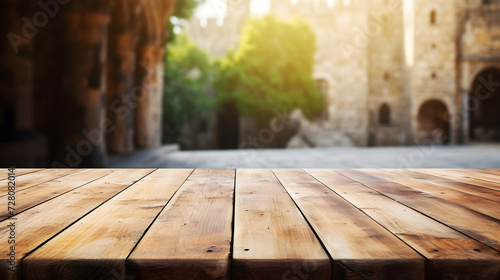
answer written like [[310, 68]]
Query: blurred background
[[250, 83]]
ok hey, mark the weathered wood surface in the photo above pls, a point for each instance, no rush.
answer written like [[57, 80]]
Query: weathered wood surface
[[38, 224], [99, 243], [191, 238], [454, 185], [478, 174], [351, 237], [4, 174], [435, 241], [252, 224], [34, 178], [476, 225], [443, 173], [268, 228], [27, 198], [473, 202]]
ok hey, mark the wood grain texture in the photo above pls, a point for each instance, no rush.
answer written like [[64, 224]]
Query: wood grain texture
[[4, 173], [40, 223], [471, 223], [445, 174], [491, 170], [96, 247], [351, 238], [40, 193], [372, 224], [478, 174], [191, 238], [473, 202], [270, 232], [435, 241], [32, 179], [470, 189]]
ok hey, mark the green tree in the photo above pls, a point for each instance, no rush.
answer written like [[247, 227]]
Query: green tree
[[187, 86], [184, 8], [272, 69]]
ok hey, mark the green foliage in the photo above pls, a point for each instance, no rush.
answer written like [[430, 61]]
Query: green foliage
[[186, 93], [184, 8], [271, 70]]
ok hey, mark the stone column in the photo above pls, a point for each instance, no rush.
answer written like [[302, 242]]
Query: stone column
[[16, 66], [149, 78], [121, 77], [20, 144], [149, 97], [71, 84]]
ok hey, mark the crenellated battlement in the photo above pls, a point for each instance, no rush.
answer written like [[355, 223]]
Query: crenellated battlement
[[240, 9]]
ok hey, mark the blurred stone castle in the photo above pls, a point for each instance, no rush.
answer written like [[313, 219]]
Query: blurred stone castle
[[393, 72]]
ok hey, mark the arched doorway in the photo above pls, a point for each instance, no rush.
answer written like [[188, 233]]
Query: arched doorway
[[433, 122], [228, 126], [322, 85], [384, 115], [484, 107]]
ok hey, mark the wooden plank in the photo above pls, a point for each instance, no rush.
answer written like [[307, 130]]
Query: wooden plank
[[191, 238], [100, 242], [444, 173], [272, 240], [471, 223], [38, 224], [35, 178], [450, 184], [493, 171], [352, 238], [30, 197], [478, 175], [4, 173], [476, 203], [435, 241]]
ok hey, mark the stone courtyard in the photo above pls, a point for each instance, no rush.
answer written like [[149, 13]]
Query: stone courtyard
[[472, 156]]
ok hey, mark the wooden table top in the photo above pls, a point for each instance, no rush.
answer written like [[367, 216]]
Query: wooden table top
[[250, 224]]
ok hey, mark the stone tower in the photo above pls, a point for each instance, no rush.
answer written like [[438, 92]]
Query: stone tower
[[217, 35], [387, 100], [432, 77]]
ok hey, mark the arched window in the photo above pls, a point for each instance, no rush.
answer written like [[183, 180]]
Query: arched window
[[433, 122], [387, 77], [322, 86], [384, 115], [433, 17]]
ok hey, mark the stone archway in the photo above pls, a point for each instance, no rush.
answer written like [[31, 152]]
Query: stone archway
[[433, 124], [484, 106]]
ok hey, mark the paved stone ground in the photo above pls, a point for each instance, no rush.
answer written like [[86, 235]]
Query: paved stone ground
[[473, 156]]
